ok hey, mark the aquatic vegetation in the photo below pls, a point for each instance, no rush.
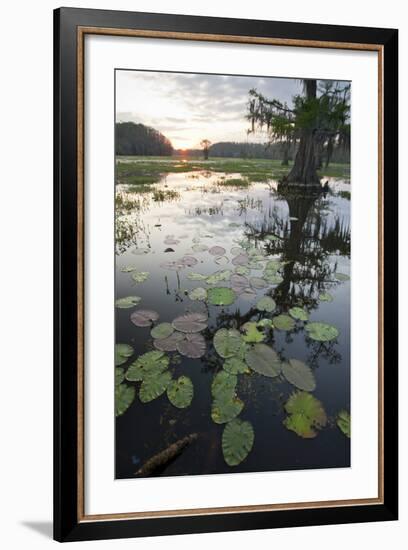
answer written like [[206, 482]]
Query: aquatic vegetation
[[162, 330], [124, 397], [192, 346], [119, 375], [343, 421], [240, 259], [264, 360], [169, 343], [299, 313], [140, 276], [217, 251], [283, 322], [221, 296], [252, 332], [198, 293], [144, 317], [161, 195], [299, 374], [235, 365], [127, 302], [266, 303], [226, 407], [341, 277], [306, 415], [322, 332], [153, 386], [150, 363], [122, 353], [180, 392], [223, 384], [227, 342], [191, 322], [218, 277], [325, 297], [237, 441]]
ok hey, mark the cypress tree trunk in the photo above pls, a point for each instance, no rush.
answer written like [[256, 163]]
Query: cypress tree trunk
[[304, 167]]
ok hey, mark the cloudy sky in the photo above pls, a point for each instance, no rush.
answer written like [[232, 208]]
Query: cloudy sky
[[187, 108]]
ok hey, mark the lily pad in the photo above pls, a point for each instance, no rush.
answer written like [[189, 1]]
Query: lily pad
[[341, 276], [153, 386], [343, 422], [224, 409], [272, 278], [227, 342], [322, 332], [263, 360], [242, 270], [237, 441], [119, 375], [257, 282], [163, 330], [283, 322], [198, 293], [189, 261], [196, 277], [265, 323], [306, 414], [221, 260], [239, 283], [299, 313], [235, 365], [299, 374], [191, 322], [218, 277], [192, 346], [252, 332], [150, 363], [180, 392], [140, 276], [266, 303], [127, 302], [221, 296], [223, 385], [325, 297], [240, 259], [248, 294], [128, 268], [124, 397], [144, 317], [170, 343], [199, 247], [122, 353], [217, 251]]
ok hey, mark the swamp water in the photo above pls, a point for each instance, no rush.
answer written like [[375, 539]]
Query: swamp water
[[265, 386]]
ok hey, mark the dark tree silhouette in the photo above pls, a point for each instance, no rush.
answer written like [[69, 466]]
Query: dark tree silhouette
[[138, 139], [205, 144]]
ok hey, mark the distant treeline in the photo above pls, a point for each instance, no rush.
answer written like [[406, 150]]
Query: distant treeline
[[138, 139]]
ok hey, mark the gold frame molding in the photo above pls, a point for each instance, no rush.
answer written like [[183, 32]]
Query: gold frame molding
[[81, 34]]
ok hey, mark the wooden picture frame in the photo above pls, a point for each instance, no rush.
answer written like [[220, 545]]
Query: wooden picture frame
[[70, 520]]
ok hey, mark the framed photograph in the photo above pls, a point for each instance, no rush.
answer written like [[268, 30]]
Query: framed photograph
[[225, 274]]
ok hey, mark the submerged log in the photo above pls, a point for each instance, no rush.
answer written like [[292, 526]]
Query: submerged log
[[160, 460]]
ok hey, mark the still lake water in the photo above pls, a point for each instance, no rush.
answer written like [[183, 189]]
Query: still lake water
[[312, 239]]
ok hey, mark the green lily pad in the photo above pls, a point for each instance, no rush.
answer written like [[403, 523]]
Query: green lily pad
[[140, 276], [198, 293], [196, 277], [341, 276], [237, 441], [283, 322], [325, 297], [343, 421], [266, 303], [124, 396], [306, 415], [153, 386], [122, 353], [252, 333], [272, 278], [128, 268], [191, 322], [227, 342], [221, 296], [299, 313], [119, 375], [192, 346], [128, 302], [170, 343], [299, 374], [199, 247], [144, 317], [265, 323], [322, 332], [150, 363], [223, 385], [263, 360], [224, 409], [162, 330], [235, 365], [242, 270], [218, 277], [257, 282], [180, 392]]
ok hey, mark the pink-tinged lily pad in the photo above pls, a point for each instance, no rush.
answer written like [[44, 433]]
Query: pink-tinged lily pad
[[144, 317], [191, 322], [248, 294], [221, 260], [217, 251], [241, 259], [192, 346], [173, 266], [239, 283], [169, 343], [257, 282], [170, 240], [189, 261]]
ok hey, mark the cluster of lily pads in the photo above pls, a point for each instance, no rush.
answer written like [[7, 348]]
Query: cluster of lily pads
[[242, 352]]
